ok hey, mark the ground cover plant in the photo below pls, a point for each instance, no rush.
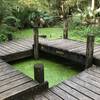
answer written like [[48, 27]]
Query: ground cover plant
[[79, 33]]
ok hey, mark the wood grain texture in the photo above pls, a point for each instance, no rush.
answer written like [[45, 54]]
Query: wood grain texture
[[84, 86], [13, 82]]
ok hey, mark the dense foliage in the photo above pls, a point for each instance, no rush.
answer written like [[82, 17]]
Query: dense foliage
[[4, 13], [22, 14]]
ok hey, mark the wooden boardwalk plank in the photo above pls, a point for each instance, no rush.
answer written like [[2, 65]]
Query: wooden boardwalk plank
[[23, 43], [51, 96], [6, 76], [82, 90], [69, 46], [40, 97], [13, 82], [73, 92], [13, 47], [64, 95], [92, 76], [20, 44], [51, 42], [8, 48], [18, 89], [5, 69], [84, 77], [4, 65], [95, 69], [3, 51], [95, 74], [7, 72], [86, 85], [74, 47], [12, 79]]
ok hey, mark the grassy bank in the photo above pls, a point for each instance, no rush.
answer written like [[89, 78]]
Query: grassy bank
[[54, 33]]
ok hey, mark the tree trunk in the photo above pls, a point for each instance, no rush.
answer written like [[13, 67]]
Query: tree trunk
[[65, 31], [93, 5], [99, 21]]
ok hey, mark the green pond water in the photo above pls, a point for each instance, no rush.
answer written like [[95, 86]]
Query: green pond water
[[55, 72]]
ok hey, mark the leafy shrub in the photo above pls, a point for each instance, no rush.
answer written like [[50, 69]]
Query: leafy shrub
[[74, 23], [4, 31], [48, 20], [12, 21], [78, 29], [22, 13], [3, 37], [5, 11]]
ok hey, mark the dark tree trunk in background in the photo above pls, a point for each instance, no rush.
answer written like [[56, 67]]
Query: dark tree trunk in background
[[65, 31]]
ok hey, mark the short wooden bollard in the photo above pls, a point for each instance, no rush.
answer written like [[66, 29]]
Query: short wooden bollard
[[39, 77], [39, 73], [36, 43], [89, 50]]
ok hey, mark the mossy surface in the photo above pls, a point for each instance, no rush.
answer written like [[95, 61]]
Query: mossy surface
[[55, 72]]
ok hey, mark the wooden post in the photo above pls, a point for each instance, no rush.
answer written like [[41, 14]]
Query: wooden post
[[9, 36], [39, 77], [65, 31], [36, 43], [39, 73], [89, 50]]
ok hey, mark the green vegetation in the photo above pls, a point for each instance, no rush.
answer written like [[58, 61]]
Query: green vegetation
[[74, 18], [18, 15], [55, 72], [21, 14], [78, 33], [52, 33]]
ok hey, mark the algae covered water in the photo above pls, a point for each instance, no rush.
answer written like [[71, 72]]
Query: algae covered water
[[55, 72]]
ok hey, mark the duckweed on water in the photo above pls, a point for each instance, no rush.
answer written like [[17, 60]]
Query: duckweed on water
[[54, 71]]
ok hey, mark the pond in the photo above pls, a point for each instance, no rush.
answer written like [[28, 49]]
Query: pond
[[55, 71]]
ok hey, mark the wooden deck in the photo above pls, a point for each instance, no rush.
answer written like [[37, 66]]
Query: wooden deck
[[13, 82], [84, 86], [14, 50], [69, 49]]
